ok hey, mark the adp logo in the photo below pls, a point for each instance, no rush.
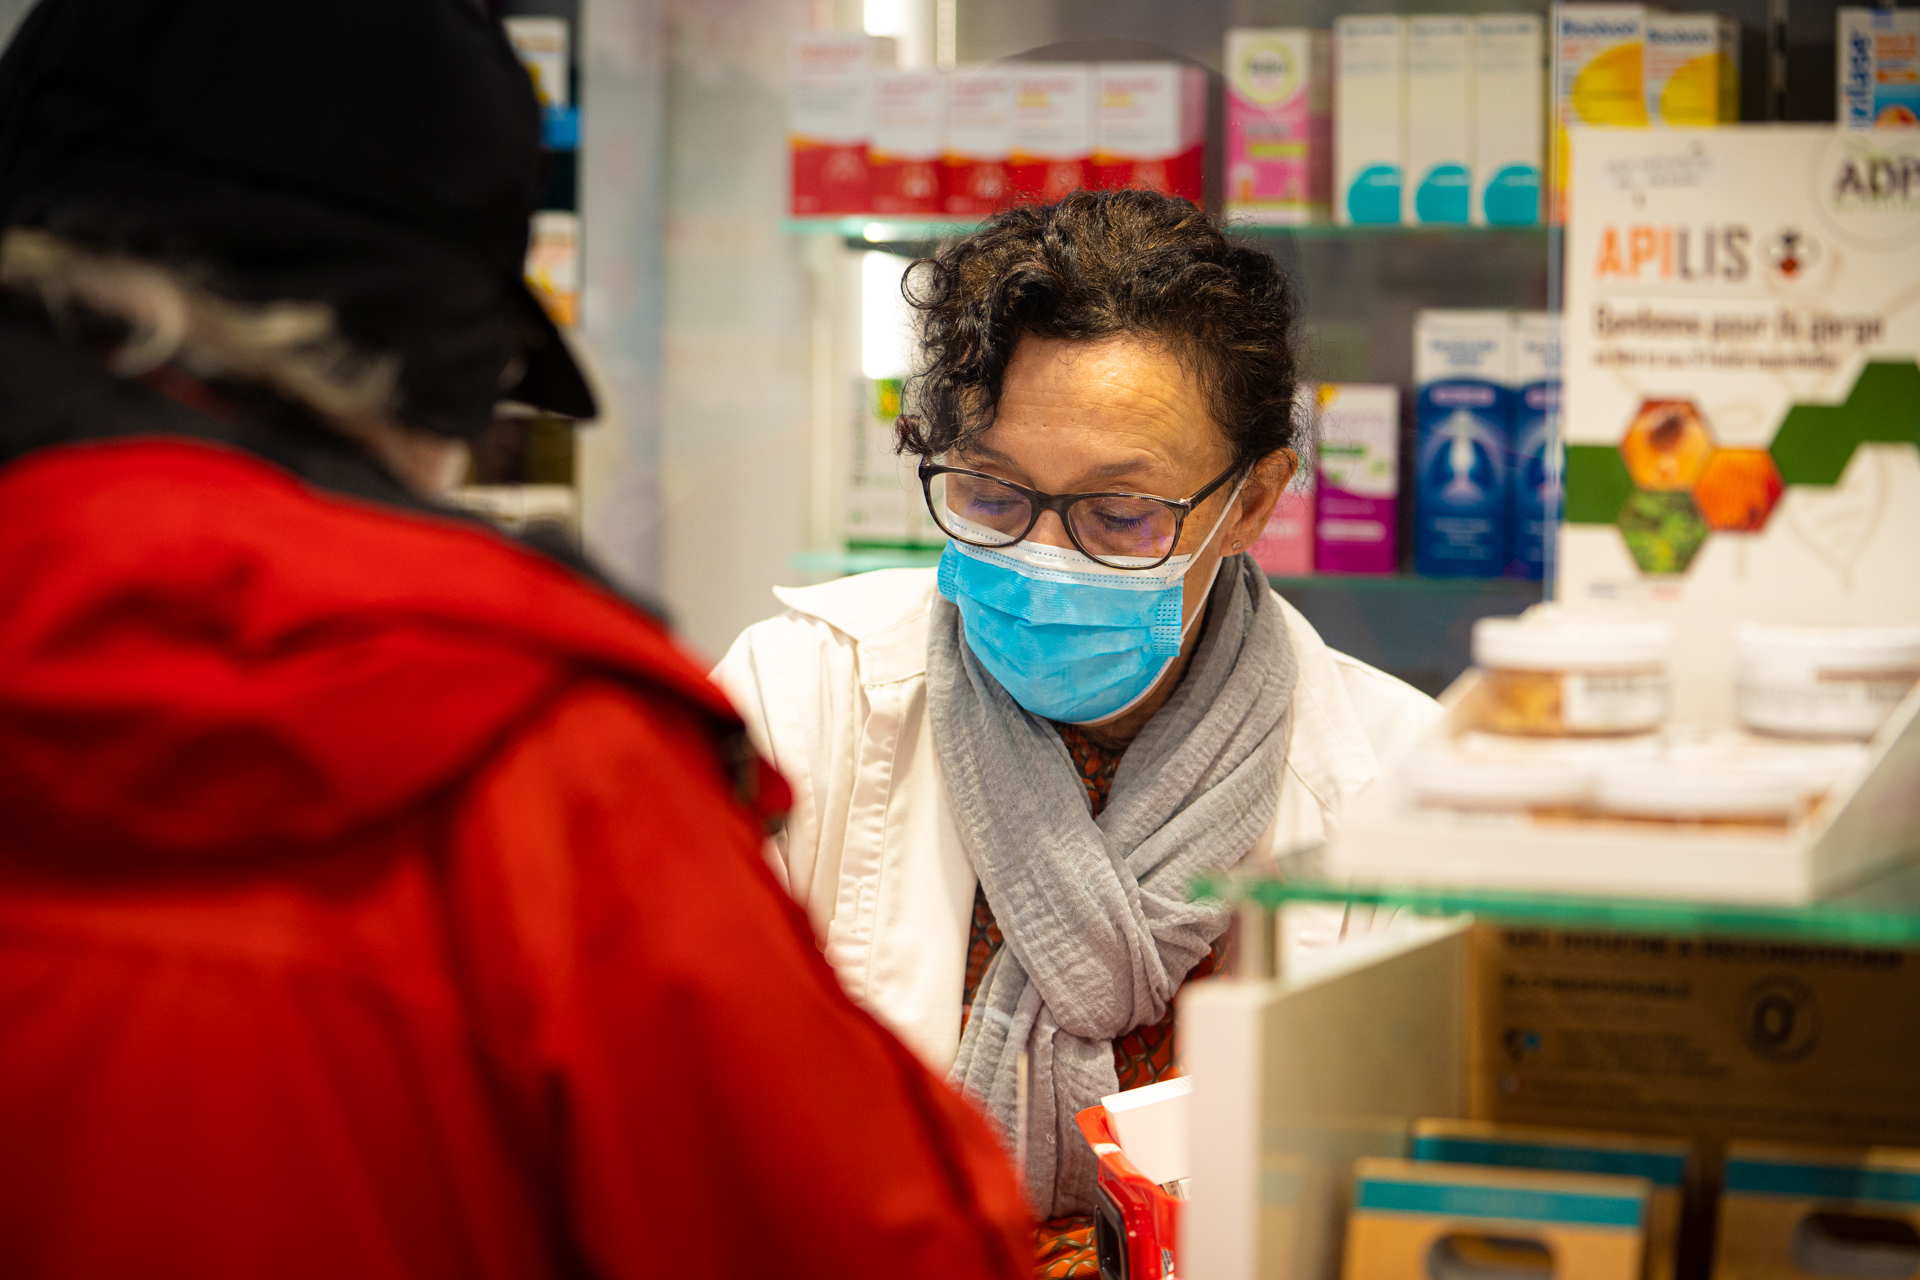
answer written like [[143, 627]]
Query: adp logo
[[1658, 252], [1867, 184]]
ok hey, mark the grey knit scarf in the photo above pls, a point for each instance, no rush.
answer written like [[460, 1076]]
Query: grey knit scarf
[[1099, 932]]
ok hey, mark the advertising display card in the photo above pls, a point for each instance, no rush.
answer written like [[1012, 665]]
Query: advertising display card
[[1279, 130], [1742, 391]]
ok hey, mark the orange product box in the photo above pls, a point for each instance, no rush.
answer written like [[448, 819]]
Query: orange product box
[[979, 141], [1052, 129], [909, 137], [1150, 127], [829, 123]]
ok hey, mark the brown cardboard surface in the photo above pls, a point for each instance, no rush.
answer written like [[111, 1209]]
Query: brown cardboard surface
[[1702, 1039], [1775, 1234]]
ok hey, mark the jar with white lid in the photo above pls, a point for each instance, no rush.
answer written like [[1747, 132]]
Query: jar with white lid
[[1822, 682], [1569, 675], [1719, 791]]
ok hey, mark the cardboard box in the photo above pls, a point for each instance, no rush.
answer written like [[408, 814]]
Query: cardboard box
[[1462, 362], [1440, 117], [1599, 77], [1692, 69], [1413, 1221], [1879, 68], [1279, 126], [1662, 1162], [1535, 482], [1285, 546], [543, 47], [1356, 525], [1052, 129], [885, 506], [979, 141], [1509, 118], [909, 138], [829, 123], [1150, 128], [1369, 118], [1787, 1213]]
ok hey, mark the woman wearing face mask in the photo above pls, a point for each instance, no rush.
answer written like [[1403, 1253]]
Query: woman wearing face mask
[[1007, 770]]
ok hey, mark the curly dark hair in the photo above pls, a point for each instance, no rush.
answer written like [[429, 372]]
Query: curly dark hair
[[1102, 264]]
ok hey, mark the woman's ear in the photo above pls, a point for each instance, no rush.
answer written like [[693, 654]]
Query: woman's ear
[[1261, 493]]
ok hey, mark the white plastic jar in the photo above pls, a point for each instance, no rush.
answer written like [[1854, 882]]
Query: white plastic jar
[[1725, 791], [1572, 675], [1822, 682]]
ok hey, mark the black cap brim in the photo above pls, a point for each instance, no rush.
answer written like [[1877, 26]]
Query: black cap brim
[[553, 379]]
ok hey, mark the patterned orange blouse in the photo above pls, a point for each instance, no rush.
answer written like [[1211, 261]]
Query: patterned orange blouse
[[1143, 1056]]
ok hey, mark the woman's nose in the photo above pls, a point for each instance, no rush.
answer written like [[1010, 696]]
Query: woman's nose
[[1050, 531]]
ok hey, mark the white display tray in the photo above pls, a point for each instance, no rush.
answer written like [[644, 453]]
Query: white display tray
[[1867, 823]]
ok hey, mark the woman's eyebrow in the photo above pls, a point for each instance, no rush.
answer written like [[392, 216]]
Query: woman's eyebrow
[[1106, 470]]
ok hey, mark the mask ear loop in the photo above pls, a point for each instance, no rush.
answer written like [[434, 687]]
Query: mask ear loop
[[1186, 624]]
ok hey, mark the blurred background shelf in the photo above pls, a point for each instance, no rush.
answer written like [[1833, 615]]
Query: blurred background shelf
[[1883, 912], [1418, 629]]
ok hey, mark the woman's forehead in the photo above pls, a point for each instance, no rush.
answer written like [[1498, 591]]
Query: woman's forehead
[[1111, 408]]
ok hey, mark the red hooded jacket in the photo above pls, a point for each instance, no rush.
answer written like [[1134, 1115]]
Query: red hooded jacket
[[374, 902]]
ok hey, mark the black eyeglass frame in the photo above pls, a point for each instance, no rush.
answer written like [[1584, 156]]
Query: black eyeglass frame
[[1040, 503]]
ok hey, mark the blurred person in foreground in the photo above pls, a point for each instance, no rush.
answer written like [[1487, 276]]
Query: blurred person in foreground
[[378, 896]]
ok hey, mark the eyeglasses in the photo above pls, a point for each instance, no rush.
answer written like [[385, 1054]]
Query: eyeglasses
[[1119, 530]]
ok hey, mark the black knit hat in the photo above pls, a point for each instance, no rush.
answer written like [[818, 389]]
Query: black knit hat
[[380, 156]]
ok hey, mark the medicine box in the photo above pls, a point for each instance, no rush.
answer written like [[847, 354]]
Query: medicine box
[[1413, 1220], [1535, 480], [1369, 118], [1599, 75], [1692, 69], [829, 122], [1285, 546], [1879, 67], [1509, 119], [884, 503], [1052, 129], [903, 162], [1440, 117], [1279, 128], [1357, 520], [1462, 361], [1150, 128], [1791, 1212], [979, 141], [1661, 1161], [553, 263], [1154, 1126]]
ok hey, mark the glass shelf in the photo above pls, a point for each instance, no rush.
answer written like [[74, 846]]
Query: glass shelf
[[866, 559], [885, 229], [1884, 912]]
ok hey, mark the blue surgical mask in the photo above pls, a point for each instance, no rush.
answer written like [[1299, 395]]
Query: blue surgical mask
[[1070, 639]]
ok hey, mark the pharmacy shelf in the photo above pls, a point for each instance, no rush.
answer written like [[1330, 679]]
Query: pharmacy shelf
[[839, 564], [883, 229], [1884, 912]]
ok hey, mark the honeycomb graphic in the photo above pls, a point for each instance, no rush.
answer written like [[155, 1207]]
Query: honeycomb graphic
[[1668, 485]]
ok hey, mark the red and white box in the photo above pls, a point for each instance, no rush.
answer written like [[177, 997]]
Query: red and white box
[[1150, 127], [909, 138], [979, 141], [1052, 129], [829, 123]]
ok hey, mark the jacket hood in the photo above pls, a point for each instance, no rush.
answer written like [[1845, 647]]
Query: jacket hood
[[202, 657]]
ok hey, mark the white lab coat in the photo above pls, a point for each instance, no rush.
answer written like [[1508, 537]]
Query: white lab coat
[[834, 692]]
